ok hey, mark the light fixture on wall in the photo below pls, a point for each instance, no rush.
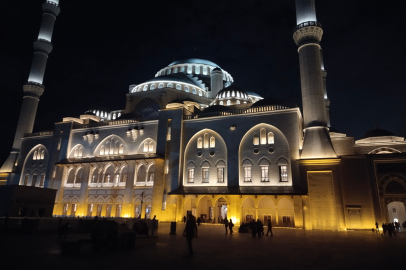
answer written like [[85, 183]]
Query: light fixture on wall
[[233, 127]]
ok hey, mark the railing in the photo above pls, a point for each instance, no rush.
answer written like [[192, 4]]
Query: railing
[[72, 185], [106, 123], [143, 184], [306, 24], [237, 111], [38, 134], [121, 184]]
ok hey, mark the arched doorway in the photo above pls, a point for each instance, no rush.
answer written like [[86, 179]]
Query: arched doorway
[[205, 210], [286, 213], [188, 207], [267, 210], [220, 210], [397, 212], [248, 210]]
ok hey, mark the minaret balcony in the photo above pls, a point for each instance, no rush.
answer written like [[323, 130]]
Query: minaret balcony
[[307, 31], [51, 7]]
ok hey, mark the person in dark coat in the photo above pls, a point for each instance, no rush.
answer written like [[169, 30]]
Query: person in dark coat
[[199, 221], [226, 225], [64, 230], [254, 228], [190, 232], [269, 228], [184, 219], [230, 226]]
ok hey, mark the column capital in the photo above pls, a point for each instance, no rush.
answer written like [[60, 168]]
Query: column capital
[[51, 7], [33, 89]]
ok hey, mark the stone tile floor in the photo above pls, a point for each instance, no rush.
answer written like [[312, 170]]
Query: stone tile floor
[[288, 249]]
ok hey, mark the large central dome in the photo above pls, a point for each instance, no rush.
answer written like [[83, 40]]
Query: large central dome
[[194, 61]]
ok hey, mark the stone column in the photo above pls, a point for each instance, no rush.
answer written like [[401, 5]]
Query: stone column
[[129, 190]]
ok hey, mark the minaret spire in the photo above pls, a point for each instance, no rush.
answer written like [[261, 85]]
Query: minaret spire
[[34, 88], [307, 35]]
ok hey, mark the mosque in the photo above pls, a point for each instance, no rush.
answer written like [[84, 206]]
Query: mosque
[[190, 141]]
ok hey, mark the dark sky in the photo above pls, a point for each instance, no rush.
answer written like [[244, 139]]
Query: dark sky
[[101, 47]]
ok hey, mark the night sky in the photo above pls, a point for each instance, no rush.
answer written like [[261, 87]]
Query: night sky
[[101, 47]]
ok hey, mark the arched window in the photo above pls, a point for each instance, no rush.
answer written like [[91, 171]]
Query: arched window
[[194, 91], [270, 138], [197, 70], [228, 102], [238, 94], [76, 153], [186, 88], [169, 85], [142, 174], [238, 102], [394, 210], [189, 70], [146, 147], [153, 86], [182, 69], [151, 147], [80, 152], [176, 70], [199, 143], [145, 87], [160, 86], [233, 93], [212, 142], [221, 103], [263, 136], [168, 71], [121, 149], [204, 71], [200, 93], [178, 87], [35, 155], [256, 139], [102, 150], [151, 174], [206, 140]]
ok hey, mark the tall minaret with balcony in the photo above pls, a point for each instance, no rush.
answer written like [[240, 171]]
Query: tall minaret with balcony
[[307, 35], [34, 88]]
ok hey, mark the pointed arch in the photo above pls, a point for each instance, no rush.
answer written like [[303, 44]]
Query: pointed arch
[[75, 151], [110, 146], [205, 164], [148, 145], [264, 161]]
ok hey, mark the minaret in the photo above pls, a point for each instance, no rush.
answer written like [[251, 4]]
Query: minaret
[[307, 35], [33, 89], [216, 82], [326, 100]]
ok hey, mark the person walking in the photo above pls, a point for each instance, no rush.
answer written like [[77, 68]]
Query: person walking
[[230, 226], [269, 227], [190, 232], [226, 225], [377, 226]]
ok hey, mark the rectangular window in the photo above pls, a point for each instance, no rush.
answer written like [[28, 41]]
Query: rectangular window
[[151, 177], [247, 174], [34, 180], [99, 209], [283, 172], [89, 210], [190, 175], [205, 175], [42, 180], [118, 210], [65, 209], [73, 210], [117, 178], [26, 180], [108, 210], [220, 175], [264, 174]]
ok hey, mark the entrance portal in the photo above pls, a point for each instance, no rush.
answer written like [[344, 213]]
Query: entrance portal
[[396, 212]]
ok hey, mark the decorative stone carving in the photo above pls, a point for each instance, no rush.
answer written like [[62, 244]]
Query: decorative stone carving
[[33, 90], [308, 33], [51, 7]]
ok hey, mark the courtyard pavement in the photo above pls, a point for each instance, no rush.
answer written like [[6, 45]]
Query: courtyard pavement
[[287, 249]]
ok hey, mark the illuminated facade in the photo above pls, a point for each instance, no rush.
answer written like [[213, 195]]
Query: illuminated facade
[[189, 140]]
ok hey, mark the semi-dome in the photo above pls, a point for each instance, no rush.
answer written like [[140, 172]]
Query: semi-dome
[[194, 61], [377, 133], [232, 91]]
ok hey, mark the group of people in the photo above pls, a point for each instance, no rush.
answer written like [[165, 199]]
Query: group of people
[[391, 228], [229, 225], [256, 227]]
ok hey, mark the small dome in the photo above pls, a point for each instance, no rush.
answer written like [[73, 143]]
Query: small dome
[[232, 91], [377, 133], [267, 102]]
